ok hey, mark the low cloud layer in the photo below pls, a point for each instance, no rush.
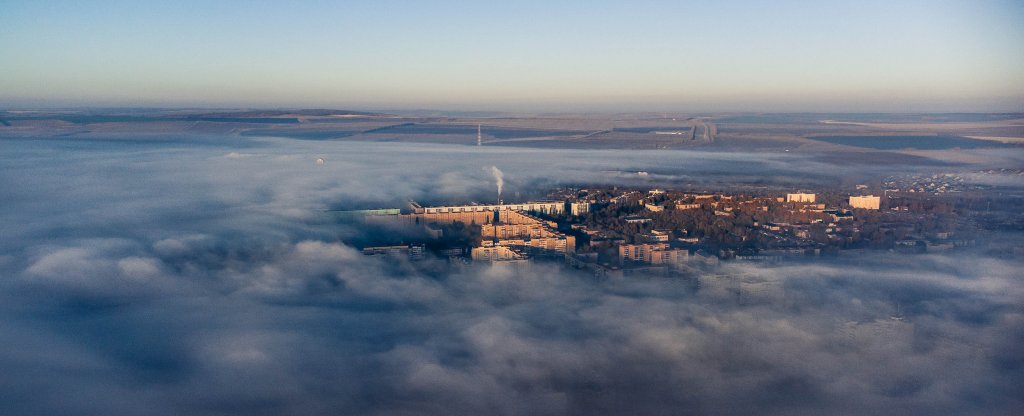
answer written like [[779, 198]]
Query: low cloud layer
[[140, 278]]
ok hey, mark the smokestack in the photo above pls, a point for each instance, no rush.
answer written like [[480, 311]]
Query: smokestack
[[498, 179]]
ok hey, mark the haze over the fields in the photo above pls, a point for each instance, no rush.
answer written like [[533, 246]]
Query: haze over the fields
[[193, 275]]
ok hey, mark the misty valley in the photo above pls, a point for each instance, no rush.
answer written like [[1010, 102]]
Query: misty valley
[[268, 275]]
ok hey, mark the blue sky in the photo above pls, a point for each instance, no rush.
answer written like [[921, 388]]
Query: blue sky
[[521, 56]]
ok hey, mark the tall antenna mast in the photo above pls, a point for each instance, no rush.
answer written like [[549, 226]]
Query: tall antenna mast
[[479, 138]]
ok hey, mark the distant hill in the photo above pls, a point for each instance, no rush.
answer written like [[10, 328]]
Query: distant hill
[[91, 116], [316, 112]]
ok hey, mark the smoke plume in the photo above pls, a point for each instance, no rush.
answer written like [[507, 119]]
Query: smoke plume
[[498, 179]]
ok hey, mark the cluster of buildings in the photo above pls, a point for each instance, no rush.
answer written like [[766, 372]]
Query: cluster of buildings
[[696, 201], [517, 235], [947, 183], [541, 207], [855, 202], [509, 233], [794, 224], [935, 184], [635, 230]]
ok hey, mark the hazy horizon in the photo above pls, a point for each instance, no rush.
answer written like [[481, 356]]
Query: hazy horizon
[[522, 57]]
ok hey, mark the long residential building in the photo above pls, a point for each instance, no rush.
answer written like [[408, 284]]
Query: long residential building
[[497, 254], [656, 253], [800, 198], [517, 229], [865, 202], [541, 207]]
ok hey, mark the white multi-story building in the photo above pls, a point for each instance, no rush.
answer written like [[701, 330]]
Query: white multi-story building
[[656, 253], [800, 198], [496, 253], [579, 208], [865, 202]]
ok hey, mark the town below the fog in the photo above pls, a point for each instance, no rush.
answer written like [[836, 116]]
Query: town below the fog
[[617, 231], [173, 267]]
